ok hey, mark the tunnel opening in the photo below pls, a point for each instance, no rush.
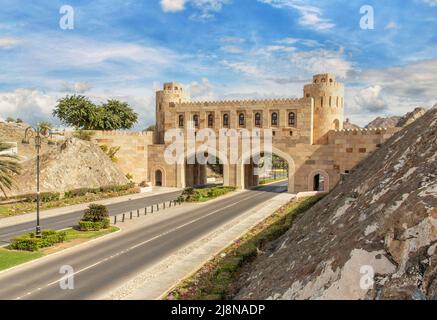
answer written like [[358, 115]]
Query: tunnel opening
[[269, 168], [200, 175]]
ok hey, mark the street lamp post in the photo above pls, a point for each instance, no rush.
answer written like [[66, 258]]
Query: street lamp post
[[37, 134]]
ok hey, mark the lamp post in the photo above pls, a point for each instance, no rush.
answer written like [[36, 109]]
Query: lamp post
[[36, 133]]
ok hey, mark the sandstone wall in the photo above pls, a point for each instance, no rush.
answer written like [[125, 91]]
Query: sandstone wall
[[133, 154]]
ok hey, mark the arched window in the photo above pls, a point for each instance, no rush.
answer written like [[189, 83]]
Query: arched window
[[257, 119], [274, 119], [226, 120], [291, 119], [181, 121], [196, 121], [241, 120], [210, 120]]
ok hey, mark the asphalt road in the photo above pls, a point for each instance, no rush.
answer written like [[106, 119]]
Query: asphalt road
[[71, 219], [113, 262]]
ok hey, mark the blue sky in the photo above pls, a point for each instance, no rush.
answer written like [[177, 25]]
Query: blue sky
[[219, 49]]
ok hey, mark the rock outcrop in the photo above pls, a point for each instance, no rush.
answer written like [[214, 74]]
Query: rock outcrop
[[14, 132], [384, 122], [392, 122], [373, 237], [349, 125], [74, 164]]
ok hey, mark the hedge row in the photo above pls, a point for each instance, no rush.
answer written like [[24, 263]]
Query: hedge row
[[53, 196], [94, 226], [84, 191], [197, 195], [30, 242]]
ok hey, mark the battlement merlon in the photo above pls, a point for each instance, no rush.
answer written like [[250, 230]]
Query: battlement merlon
[[244, 103]]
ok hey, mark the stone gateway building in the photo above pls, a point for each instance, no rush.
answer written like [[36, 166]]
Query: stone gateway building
[[307, 133]]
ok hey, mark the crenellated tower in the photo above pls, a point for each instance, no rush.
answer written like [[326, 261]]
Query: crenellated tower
[[165, 100], [328, 95]]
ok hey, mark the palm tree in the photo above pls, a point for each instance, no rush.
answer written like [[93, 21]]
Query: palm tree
[[8, 167]]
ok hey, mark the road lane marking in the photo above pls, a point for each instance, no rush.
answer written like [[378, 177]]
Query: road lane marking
[[141, 244]]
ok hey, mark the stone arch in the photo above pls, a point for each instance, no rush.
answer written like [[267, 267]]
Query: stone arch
[[279, 153], [325, 176], [181, 166], [154, 172], [337, 124]]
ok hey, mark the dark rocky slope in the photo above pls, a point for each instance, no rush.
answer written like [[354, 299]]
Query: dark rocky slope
[[383, 217]]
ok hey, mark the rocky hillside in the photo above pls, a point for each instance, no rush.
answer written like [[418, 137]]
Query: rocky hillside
[[391, 122], [380, 220], [14, 132], [349, 125], [74, 164]]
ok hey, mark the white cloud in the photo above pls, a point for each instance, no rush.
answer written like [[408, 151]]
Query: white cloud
[[206, 8], [202, 90], [321, 61], [310, 16], [415, 80], [370, 99], [28, 104], [232, 49], [7, 43], [432, 3], [172, 5], [76, 87], [232, 40], [391, 25], [243, 67]]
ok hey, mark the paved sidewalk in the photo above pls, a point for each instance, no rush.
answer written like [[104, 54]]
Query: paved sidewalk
[[9, 221], [159, 278]]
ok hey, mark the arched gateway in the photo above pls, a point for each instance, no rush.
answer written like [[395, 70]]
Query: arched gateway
[[307, 133]]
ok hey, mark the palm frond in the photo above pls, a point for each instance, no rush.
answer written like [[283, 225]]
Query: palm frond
[[8, 168]]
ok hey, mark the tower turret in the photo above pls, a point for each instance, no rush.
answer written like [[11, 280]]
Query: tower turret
[[328, 98], [165, 100]]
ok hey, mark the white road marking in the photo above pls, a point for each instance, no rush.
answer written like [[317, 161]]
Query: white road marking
[[138, 245]]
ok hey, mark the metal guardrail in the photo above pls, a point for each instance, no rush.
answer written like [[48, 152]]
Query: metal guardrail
[[147, 210]]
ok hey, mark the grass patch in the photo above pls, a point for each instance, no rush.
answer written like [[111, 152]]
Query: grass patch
[[11, 258], [215, 279], [271, 180], [15, 209], [205, 194]]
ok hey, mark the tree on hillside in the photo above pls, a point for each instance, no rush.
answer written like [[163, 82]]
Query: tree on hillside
[[77, 111], [81, 113], [8, 167], [117, 115], [150, 128]]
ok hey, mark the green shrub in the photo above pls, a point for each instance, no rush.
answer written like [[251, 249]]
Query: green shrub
[[78, 192], [30, 242], [95, 218], [93, 226], [96, 213], [25, 243], [32, 197], [197, 195]]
